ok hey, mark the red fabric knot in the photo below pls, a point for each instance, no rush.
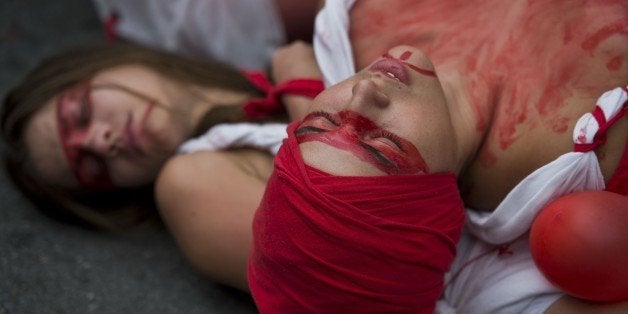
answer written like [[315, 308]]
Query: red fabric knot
[[109, 26], [271, 105], [600, 136]]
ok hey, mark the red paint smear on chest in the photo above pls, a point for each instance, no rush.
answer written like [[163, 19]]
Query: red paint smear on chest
[[515, 78], [592, 42], [615, 63]]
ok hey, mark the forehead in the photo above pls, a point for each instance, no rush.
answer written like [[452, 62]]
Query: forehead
[[136, 76], [43, 147]]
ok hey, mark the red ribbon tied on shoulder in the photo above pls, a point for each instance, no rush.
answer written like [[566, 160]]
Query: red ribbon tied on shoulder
[[271, 105]]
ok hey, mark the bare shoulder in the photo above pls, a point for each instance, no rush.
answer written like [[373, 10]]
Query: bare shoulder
[[208, 200], [210, 177], [568, 304]]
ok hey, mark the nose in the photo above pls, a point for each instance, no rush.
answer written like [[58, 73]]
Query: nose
[[101, 139], [366, 97]]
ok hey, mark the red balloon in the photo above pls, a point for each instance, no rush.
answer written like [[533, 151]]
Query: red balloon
[[580, 243]]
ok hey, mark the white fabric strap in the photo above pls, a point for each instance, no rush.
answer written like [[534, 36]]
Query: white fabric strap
[[267, 137], [571, 172], [611, 102]]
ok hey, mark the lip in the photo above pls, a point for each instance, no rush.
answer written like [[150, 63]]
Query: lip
[[135, 130], [413, 67], [131, 136], [393, 67]]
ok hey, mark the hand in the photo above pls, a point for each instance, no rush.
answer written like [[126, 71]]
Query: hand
[[293, 61]]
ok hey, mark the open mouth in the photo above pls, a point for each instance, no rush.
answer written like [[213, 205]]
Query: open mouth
[[392, 68]]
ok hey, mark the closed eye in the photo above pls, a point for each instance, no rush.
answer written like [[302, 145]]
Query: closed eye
[[387, 138], [303, 130], [317, 122], [85, 112], [378, 155]]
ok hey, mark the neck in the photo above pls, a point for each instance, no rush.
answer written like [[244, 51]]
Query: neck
[[469, 121], [208, 105]]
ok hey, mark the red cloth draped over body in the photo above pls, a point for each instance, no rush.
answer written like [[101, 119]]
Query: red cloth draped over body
[[331, 244]]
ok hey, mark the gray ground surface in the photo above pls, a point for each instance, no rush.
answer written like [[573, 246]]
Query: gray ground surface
[[49, 267]]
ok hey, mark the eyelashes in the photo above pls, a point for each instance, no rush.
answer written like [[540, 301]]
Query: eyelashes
[[389, 136], [327, 116], [322, 121]]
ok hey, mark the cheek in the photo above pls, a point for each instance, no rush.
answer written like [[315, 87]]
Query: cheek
[[333, 98], [160, 132], [435, 141]]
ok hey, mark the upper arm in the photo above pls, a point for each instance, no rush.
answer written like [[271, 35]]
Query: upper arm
[[207, 202]]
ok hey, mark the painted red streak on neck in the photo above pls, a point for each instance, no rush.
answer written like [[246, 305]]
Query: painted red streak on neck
[[410, 65], [356, 134]]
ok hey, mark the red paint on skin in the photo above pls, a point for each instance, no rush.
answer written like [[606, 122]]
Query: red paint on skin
[[354, 133], [513, 79], [561, 125], [487, 158], [605, 32], [412, 66], [72, 132], [615, 63], [405, 55]]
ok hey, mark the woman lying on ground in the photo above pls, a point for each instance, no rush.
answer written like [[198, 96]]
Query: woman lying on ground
[[492, 90], [362, 212], [196, 207], [88, 130], [244, 33]]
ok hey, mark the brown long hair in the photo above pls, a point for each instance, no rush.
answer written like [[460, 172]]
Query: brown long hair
[[118, 208]]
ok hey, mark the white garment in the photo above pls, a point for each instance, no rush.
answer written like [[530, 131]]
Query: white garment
[[481, 279], [267, 137], [332, 46], [484, 281], [244, 33]]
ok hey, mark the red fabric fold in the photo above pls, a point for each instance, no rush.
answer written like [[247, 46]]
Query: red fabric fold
[[271, 104], [330, 244]]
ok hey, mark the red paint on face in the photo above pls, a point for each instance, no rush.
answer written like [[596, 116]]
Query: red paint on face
[[405, 55], [354, 133], [412, 66], [74, 108]]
